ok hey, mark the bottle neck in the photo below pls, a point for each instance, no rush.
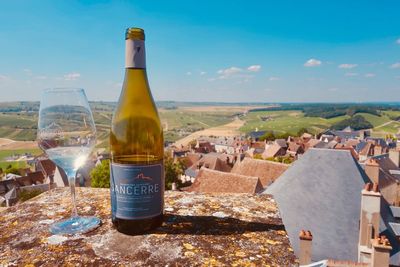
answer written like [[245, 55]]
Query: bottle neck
[[135, 54]]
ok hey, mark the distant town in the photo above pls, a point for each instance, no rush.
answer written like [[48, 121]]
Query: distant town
[[330, 168]]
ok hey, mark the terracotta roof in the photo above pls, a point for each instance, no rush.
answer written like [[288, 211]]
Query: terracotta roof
[[273, 151], [48, 167], [352, 142], [210, 181], [30, 179], [267, 171], [294, 147]]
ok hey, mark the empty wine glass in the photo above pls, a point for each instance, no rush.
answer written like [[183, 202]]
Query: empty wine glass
[[67, 134]]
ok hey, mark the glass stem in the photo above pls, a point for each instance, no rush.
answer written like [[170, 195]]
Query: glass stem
[[71, 181]]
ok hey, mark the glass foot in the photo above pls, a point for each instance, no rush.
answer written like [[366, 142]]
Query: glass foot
[[75, 225]]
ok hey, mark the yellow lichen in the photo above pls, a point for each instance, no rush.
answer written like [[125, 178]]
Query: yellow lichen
[[188, 246]]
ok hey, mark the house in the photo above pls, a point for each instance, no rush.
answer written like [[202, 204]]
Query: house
[[213, 161], [267, 171], [273, 150], [311, 144], [321, 192], [211, 181], [295, 149]]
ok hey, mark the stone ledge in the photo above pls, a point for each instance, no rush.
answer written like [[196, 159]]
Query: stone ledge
[[199, 229]]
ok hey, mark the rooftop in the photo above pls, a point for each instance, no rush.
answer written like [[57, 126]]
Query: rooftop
[[199, 229]]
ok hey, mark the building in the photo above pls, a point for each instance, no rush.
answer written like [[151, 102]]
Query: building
[[211, 181], [267, 171], [321, 192]]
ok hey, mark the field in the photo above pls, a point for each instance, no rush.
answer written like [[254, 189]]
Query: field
[[291, 121], [288, 121], [184, 121]]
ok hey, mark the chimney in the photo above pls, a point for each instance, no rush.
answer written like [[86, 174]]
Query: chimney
[[394, 156], [173, 186], [369, 220], [377, 150], [305, 247], [372, 170], [380, 252]]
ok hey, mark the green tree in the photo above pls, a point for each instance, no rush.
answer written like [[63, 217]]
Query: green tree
[[302, 131], [101, 175], [269, 136], [172, 172], [11, 169]]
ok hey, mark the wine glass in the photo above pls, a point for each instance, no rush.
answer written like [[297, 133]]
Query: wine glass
[[67, 134]]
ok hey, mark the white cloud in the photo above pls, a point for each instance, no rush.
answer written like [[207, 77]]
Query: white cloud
[[347, 66], [73, 76], [351, 74], [274, 78], [41, 77], [398, 41], [229, 72], [203, 73], [254, 68], [188, 73], [4, 78], [27, 72], [369, 75], [395, 65], [312, 63], [333, 89]]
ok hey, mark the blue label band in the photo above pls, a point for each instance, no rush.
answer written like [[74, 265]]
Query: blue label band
[[137, 191]]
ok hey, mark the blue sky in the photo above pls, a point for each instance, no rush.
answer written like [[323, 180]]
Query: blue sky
[[231, 51]]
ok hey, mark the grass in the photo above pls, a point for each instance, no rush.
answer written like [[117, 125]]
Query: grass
[[289, 121], [14, 164], [7, 153], [375, 120]]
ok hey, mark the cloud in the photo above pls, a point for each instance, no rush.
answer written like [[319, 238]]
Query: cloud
[[203, 73], [395, 65], [398, 41], [73, 76], [229, 72], [274, 78], [333, 89], [351, 74], [4, 78], [41, 77], [27, 72], [254, 68], [312, 63], [347, 66], [369, 75]]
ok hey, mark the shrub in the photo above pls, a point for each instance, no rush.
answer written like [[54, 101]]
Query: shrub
[[101, 175]]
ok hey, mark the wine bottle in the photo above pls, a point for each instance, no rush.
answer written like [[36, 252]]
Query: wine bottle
[[137, 147]]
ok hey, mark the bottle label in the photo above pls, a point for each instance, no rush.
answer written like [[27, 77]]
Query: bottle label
[[135, 54], [137, 191]]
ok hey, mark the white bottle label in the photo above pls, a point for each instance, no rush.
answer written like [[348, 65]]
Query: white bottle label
[[135, 54]]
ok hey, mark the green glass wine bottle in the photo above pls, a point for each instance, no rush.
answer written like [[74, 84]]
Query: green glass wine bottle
[[137, 147]]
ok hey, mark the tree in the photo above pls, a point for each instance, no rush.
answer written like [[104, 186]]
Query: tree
[[172, 172], [302, 131], [11, 169], [101, 175], [269, 136]]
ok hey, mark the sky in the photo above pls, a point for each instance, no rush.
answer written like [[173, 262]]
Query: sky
[[227, 51]]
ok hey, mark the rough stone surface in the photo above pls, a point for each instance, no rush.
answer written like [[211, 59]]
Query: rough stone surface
[[199, 230]]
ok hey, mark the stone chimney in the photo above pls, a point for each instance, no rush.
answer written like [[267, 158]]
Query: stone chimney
[[369, 220], [372, 170], [394, 155], [305, 247], [173, 186], [377, 150], [380, 252]]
